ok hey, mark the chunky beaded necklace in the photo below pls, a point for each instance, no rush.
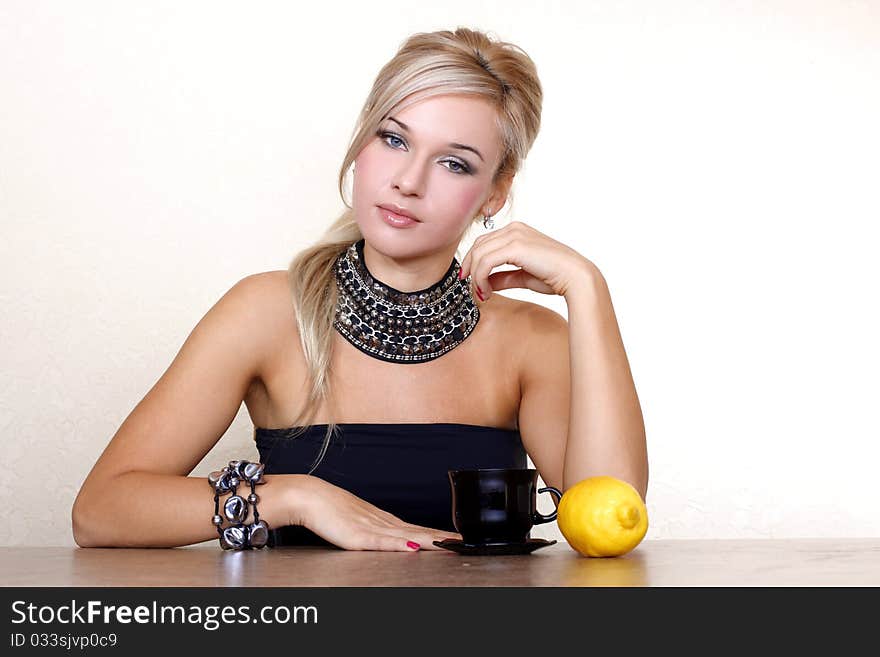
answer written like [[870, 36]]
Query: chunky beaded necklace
[[401, 327]]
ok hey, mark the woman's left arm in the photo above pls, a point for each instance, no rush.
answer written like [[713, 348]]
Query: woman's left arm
[[606, 430]]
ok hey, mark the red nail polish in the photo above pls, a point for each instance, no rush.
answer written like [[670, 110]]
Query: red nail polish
[[413, 545], [480, 295], [460, 272]]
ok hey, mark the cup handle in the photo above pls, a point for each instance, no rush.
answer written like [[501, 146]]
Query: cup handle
[[540, 518]]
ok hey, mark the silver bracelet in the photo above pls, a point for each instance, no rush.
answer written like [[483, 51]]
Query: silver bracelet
[[238, 536]]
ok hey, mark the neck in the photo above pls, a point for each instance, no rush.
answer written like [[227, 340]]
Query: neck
[[408, 274]]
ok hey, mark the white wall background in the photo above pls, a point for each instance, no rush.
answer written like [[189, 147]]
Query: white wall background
[[717, 160]]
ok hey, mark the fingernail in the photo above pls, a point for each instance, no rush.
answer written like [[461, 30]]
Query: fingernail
[[413, 545], [460, 272], [480, 295]]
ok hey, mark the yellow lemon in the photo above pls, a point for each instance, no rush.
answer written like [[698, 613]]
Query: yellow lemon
[[602, 517]]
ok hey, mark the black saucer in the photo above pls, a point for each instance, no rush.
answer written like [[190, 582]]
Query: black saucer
[[491, 549]]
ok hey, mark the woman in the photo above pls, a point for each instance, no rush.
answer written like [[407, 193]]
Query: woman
[[378, 361]]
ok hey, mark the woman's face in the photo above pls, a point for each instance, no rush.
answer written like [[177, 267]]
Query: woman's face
[[419, 162]]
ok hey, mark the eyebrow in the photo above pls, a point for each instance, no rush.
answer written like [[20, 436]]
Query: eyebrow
[[463, 147]]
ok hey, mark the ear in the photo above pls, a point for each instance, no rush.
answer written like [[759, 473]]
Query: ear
[[498, 197]]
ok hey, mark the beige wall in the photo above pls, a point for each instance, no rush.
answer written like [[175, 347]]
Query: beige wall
[[717, 161]]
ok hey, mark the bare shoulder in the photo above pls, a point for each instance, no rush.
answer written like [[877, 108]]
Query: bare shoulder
[[536, 333], [265, 282], [270, 312], [269, 291], [528, 319]]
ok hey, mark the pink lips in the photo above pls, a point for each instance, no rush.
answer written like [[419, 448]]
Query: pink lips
[[396, 220], [398, 211]]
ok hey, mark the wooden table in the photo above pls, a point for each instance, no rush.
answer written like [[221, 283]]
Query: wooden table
[[762, 562]]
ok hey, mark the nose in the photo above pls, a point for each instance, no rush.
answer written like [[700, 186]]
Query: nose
[[408, 178]]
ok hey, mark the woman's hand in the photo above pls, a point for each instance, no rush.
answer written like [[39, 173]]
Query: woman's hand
[[546, 266], [352, 523]]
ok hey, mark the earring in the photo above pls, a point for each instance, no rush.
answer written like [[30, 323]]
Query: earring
[[488, 222]]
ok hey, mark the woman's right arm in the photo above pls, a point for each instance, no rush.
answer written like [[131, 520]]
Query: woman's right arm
[[138, 493]]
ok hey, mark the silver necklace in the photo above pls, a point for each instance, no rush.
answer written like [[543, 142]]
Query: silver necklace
[[401, 327]]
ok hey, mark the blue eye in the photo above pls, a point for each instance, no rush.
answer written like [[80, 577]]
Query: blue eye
[[461, 167], [387, 137], [390, 136]]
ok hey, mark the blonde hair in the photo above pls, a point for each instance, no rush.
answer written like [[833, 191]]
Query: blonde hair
[[464, 61]]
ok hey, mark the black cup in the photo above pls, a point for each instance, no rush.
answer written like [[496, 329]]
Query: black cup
[[497, 505]]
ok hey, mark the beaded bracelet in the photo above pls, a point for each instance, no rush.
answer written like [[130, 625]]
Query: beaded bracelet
[[238, 536]]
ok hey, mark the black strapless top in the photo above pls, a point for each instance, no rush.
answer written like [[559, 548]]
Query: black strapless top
[[400, 468]]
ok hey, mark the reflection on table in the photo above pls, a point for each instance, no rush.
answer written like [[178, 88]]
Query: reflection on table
[[762, 562]]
